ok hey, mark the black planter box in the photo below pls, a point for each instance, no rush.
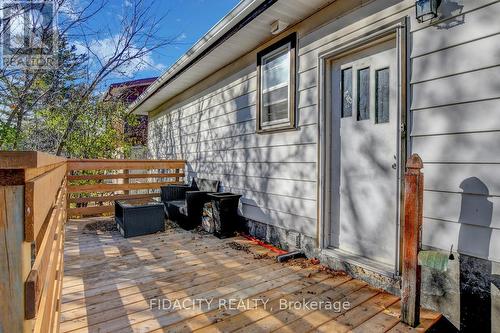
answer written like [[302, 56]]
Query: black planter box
[[139, 217], [225, 213]]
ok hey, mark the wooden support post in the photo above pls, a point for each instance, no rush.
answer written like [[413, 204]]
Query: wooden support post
[[68, 195], [126, 181], [15, 259], [32, 185], [412, 230]]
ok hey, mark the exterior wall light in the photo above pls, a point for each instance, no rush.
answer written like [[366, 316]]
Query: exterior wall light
[[278, 26], [426, 9]]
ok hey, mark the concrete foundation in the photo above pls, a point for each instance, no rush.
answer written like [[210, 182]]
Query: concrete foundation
[[467, 294]]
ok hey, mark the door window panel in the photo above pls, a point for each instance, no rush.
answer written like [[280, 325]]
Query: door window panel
[[346, 92], [382, 96], [363, 94]]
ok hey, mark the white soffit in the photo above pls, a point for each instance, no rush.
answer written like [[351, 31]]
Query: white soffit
[[243, 41]]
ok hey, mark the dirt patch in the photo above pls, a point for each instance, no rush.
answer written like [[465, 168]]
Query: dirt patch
[[200, 231], [100, 227], [239, 247], [262, 256], [330, 271], [171, 225], [246, 248], [301, 262], [306, 263]]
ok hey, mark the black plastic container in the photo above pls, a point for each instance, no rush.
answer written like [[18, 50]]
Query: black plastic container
[[139, 217], [225, 213]]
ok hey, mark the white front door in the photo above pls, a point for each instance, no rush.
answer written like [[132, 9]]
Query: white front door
[[365, 143]]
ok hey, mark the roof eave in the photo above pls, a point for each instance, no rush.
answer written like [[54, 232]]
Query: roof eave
[[228, 22]]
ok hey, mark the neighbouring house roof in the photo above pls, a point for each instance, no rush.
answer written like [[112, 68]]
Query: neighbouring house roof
[[128, 91], [243, 29]]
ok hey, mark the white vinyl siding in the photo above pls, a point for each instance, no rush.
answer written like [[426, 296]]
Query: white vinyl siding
[[456, 127], [454, 124], [454, 110], [215, 132]]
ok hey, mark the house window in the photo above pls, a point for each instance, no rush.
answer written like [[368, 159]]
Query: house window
[[276, 86]]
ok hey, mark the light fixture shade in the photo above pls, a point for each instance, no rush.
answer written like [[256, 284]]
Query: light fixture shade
[[278, 26], [426, 9]]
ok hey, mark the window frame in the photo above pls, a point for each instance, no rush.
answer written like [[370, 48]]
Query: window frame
[[290, 122]]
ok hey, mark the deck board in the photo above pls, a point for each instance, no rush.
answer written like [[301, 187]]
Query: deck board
[[109, 282]]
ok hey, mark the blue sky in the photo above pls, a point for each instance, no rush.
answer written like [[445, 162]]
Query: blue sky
[[186, 21], [189, 20]]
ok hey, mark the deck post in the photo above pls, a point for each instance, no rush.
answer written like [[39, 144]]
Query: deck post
[[412, 230], [126, 181], [177, 178], [30, 183], [15, 259]]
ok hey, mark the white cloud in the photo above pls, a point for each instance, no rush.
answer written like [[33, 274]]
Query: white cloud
[[181, 37], [80, 47], [103, 50], [69, 8], [16, 29]]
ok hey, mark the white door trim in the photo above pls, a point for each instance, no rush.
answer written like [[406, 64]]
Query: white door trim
[[395, 30]]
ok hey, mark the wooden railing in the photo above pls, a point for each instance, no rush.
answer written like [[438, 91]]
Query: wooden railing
[[38, 192], [95, 184], [32, 217]]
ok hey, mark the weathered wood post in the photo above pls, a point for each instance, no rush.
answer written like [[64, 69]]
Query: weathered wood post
[[412, 230]]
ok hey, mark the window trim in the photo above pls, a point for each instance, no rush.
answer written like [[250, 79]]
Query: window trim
[[281, 124]]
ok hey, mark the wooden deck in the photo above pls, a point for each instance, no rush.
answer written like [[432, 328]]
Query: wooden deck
[[110, 282]]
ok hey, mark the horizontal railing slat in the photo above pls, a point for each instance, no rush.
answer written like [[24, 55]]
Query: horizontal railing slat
[[93, 210], [124, 164], [27, 159], [49, 301], [58, 291], [97, 195], [109, 198], [40, 196], [41, 270], [125, 176], [115, 187]]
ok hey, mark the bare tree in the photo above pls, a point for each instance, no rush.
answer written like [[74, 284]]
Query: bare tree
[[19, 91], [125, 51], [138, 37]]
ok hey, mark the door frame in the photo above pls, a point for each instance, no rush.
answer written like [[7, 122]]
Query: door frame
[[397, 30]]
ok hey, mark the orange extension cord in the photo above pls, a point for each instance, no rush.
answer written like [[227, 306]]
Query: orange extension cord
[[261, 243]]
